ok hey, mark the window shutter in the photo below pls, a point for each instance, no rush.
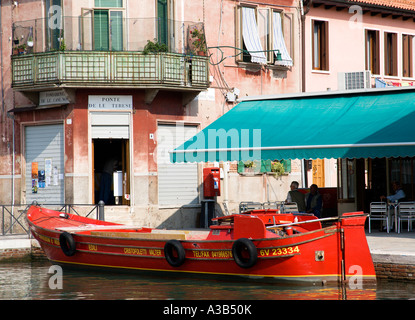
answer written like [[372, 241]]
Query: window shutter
[[116, 31], [101, 29], [162, 17], [287, 165]]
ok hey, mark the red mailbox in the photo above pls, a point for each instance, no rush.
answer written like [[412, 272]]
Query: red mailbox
[[211, 182]]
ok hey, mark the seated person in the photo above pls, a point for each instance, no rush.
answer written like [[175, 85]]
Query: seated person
[[296, 196], [314, 201], [399, 194]]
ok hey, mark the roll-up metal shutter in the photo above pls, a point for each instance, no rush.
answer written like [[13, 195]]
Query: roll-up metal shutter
[[110, 125], [44, 148], [177, 183]]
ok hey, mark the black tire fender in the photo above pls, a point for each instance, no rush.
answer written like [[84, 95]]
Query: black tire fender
[[174, 253], [67, 244], [244, 247]]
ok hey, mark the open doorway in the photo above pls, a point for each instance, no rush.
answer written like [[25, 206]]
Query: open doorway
[[111, 167]]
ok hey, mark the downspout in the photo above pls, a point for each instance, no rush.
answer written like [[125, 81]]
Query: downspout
[[303, 64], [303, 75]]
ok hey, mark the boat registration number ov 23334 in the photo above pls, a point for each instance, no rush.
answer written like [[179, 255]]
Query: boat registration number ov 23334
[[275, 252]]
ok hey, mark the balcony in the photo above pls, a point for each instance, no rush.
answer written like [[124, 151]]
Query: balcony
[[66, 59]]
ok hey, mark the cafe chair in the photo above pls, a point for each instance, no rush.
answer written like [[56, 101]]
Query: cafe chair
[[249, 205], [379, 212], [271, 205], [289, 207], [406, 212]]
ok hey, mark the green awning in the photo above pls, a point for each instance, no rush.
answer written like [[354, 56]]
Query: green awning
[[359, 124]]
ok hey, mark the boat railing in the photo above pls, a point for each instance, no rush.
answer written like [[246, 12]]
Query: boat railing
[[251, 205], [302, 222], [337, 218], [13, 216]]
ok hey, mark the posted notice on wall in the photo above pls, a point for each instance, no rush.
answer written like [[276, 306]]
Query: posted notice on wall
[[110, 102]]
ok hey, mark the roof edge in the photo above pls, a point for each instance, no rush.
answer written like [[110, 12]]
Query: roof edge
[[305, 95]]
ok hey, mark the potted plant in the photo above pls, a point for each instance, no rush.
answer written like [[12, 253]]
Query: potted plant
[[62, 45], [277, 167], [199, 42], [154, 47], [22, 49]]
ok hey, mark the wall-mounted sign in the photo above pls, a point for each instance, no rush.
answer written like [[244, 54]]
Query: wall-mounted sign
[[47, 98], [110, 102]]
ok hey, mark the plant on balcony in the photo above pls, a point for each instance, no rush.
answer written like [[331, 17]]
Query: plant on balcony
[[62, 45], [22, 49], [154, 47], [198, 42], [277, 167]]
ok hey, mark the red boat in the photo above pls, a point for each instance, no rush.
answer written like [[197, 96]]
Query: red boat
[[260, 245]]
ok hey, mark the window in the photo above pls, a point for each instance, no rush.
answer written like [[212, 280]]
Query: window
[[249, 39], [407, 55], [391, 48], [279, 41], [320, 45], [372, 51], [109, 3], [260, 36], [54, 32], [165, 22], [346, 179], [108, 25]]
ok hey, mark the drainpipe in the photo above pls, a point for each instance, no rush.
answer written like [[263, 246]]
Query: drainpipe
[[303, 14], [303, 74]]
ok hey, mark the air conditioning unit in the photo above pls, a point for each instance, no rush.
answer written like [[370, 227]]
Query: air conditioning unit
[[354, 80]]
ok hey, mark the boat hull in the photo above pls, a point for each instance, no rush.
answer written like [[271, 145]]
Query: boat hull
[[338, 253]]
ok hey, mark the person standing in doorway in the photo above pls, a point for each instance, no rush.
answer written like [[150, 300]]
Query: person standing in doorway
[[106, 180]]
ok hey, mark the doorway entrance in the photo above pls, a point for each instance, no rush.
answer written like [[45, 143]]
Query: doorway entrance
[[111, 168]]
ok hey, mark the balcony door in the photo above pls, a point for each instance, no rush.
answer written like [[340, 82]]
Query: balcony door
[[54, 31], [165, 23], [108, 30]]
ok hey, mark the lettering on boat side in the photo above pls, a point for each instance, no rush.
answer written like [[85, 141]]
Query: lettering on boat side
[[49, 240], [275, 252], [143, 252], [92, 247], [221, 254]]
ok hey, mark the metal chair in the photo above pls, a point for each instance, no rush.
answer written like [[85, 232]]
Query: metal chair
[[289, 207], [246, 206], [406, 212], [271, 205], [379, 211]]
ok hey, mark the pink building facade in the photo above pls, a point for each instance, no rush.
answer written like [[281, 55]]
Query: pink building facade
[[357, 36], [78, 91]]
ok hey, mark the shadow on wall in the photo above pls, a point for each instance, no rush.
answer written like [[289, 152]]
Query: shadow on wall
[[191, 217]]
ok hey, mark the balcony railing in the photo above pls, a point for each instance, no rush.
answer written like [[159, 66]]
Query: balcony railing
[[84, 33], [73, 56], [101, 69]]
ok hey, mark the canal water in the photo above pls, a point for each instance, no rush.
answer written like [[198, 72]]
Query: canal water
[[36, 281]]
